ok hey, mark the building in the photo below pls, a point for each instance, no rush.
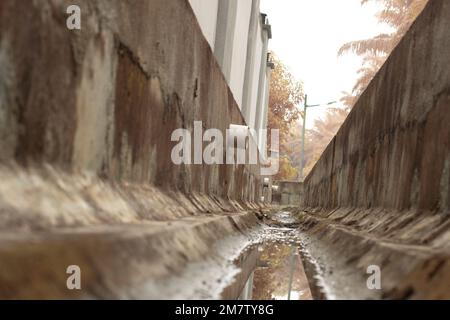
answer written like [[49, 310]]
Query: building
[[238, 34]]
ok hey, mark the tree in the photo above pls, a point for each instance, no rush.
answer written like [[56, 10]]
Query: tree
[[397, 14], [286, 170], [286, 94]]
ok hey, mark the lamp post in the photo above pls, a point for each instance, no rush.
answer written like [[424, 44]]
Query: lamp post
[[305, 108], [302, 159]]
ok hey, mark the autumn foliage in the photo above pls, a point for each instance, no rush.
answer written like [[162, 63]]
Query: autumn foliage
[[286, 95], [399, 15]]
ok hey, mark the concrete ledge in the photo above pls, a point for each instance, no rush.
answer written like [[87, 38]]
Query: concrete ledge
[[191, 258], [130, 240], [45, 198], [339, 246]]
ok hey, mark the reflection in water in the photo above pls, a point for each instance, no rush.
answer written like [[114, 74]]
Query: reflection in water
[[271, 278]]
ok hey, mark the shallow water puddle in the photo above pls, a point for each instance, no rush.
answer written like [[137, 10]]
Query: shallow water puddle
[[272, 277]]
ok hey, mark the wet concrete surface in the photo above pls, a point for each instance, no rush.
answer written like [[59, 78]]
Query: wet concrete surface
[[199, 258], [279, 257], [338, 252], [272, 277]]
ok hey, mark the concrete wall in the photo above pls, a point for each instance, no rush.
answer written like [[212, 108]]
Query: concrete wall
[[228, 22], [86, 176], [106, 99], [288, 193], [239, 52], [264, 115], [240, 47], [379, 195], [253, 69], [225, 29], [250, 114], [257, 75], [206, 13], [393, 151], [264, 88]]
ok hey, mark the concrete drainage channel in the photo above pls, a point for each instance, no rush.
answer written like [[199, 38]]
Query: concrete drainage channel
[[277, 254], [215, 257], [279, 275], [262, 255], [278, 272], [262, 262], [160, 247]]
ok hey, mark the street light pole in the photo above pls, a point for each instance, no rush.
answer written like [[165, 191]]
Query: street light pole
[[302, 159], [305, 108]]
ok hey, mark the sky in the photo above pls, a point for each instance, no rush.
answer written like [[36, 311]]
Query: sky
[[307, 35]]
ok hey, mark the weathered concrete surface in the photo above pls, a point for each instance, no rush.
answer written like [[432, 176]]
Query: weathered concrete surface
[[107, 98], [130, 240], [85, 171], [181, 259], [340, 245], [380, 192], [393, 151], [288, 193]]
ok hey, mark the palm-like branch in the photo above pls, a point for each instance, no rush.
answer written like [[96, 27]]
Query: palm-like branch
[[381, 44], [398, 14]]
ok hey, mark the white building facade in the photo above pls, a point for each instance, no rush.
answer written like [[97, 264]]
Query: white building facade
[[238, 34]]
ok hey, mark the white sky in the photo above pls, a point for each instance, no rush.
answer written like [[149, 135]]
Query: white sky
[[307, 35]]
